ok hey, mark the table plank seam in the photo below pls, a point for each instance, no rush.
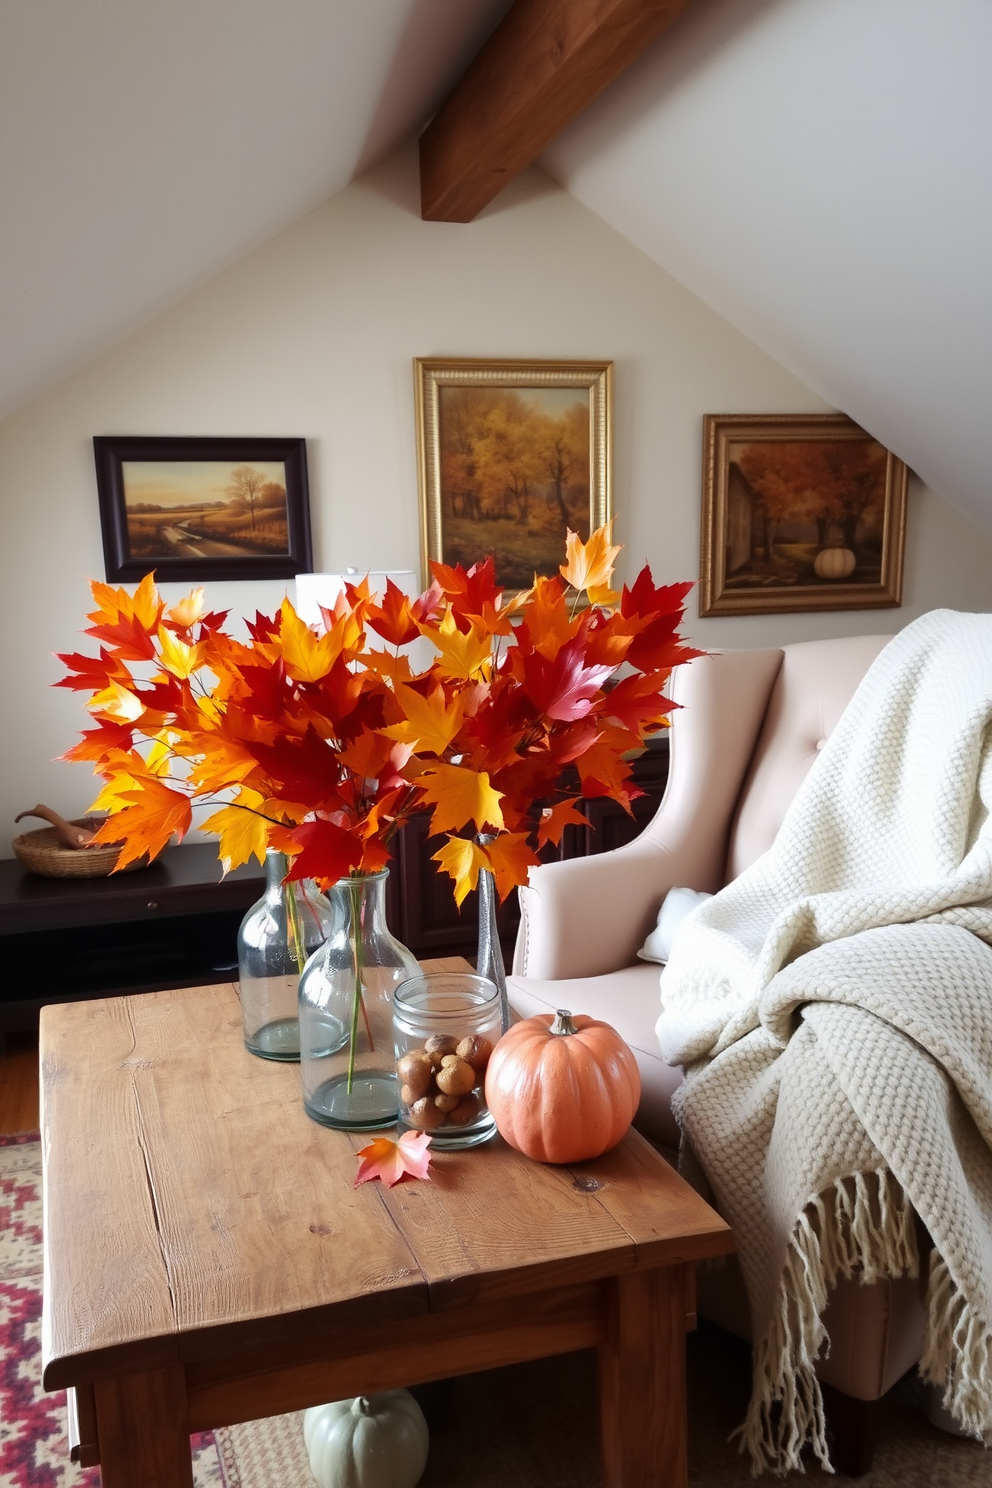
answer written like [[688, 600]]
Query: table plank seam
[[149, 1180]]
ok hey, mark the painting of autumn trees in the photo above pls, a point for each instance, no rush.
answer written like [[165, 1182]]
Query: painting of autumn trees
[[514, 476], [799, 513]]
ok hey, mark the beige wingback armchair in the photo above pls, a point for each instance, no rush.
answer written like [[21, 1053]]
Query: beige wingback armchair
[[748, 730]]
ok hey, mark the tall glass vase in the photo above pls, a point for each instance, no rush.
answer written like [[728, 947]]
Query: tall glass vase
[[489, 958], [276, 936], [346, 1011]]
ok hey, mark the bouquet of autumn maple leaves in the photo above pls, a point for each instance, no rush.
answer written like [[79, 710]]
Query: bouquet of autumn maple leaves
[[323, 745]]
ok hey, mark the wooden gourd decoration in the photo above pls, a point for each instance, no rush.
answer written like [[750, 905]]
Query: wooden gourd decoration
[[373, 1441], [834, 563], [562, 1089]]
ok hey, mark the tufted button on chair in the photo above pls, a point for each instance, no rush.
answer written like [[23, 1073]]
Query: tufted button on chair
[[749, 727]]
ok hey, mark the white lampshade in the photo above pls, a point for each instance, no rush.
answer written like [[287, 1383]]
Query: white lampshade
[[316, 589]]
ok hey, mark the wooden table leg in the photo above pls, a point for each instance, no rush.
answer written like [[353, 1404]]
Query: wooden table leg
[[642, 1380], [143, 1430]]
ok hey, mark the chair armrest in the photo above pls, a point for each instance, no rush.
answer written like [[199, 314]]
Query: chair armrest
[[588, 916]]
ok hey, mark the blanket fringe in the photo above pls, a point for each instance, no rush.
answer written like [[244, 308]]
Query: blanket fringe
[[957, 1353], [864, 1225]]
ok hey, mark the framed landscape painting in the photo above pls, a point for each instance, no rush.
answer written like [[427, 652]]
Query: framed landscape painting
[[203, 508], [800, 512], [511, 455]]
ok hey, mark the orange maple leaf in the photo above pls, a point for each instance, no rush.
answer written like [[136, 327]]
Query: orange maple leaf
[[151, 814], [510, 857], [554, 820], [547, 619], [392, 1161], [589, 565]]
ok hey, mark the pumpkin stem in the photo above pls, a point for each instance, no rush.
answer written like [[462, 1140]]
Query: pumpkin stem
[[364, 1409], [563, 1022]]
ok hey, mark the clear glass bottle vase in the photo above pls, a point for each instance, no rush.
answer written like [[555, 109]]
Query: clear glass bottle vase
[[276, 937], [346, 1011], [489, 957]]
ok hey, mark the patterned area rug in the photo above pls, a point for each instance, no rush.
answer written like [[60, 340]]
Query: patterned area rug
[[533, 1425]]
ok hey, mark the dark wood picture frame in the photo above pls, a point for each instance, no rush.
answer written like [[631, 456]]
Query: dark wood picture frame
[[129, 531], [800, 512]]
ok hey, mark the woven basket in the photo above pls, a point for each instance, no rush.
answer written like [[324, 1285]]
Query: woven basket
[[44, 852]]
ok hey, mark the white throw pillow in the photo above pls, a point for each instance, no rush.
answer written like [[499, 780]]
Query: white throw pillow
[[676, 904]]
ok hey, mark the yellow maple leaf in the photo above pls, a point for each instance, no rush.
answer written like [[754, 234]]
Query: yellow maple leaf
[[460, 796], [430, 723], [160, 756], [242, 832], [308, 657], [461, 859], [464, 657], [117, 702], [175, 656], [589, 565], [189, 609], [602, 594]]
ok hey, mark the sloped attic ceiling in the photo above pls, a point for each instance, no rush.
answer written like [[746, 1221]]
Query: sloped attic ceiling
[[144, 147], [820, 172], [816, 170]]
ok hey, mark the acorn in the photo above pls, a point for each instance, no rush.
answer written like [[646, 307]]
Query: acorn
[[475, 1050], [466, 1111], [455, 1077], [424, 1115], [438, 1045], [415, 1073]]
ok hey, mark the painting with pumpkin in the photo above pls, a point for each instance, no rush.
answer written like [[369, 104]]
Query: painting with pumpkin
[[805, 512]]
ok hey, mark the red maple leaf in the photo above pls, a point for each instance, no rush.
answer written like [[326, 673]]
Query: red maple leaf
[[392, 619], [92, 673], [323, 851], [563, 688], [303, 768]]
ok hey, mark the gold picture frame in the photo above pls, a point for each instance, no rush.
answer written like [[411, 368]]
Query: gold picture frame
[[800, 512], [509, 454]]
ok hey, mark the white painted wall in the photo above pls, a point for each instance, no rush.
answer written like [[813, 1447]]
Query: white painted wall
[[314, 335]]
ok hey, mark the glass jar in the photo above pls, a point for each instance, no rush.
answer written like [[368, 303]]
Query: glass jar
[[346, 1011], [445, 1027], [275, 938]]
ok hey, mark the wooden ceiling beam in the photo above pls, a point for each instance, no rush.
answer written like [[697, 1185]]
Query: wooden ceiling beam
[[544, 62]]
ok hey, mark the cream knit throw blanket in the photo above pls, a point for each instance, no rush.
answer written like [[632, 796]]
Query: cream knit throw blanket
[[833, 1007]]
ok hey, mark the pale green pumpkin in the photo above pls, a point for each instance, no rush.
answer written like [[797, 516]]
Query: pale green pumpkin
[[372, 1441], [834, 563]]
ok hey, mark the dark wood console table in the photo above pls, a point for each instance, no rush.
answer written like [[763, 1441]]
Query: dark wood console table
[[175, 924]]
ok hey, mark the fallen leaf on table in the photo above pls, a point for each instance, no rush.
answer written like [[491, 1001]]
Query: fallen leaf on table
[[392, 1161]]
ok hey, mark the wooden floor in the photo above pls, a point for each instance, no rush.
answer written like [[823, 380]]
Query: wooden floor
[[19, 1084]]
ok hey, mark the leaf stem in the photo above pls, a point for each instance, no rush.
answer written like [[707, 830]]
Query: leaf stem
[[355, 891]]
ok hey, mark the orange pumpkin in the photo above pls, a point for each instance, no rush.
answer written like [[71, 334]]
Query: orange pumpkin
[[562, 1089]]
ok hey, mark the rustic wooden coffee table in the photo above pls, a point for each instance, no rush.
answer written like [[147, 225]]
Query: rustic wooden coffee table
[[208, 1259]]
